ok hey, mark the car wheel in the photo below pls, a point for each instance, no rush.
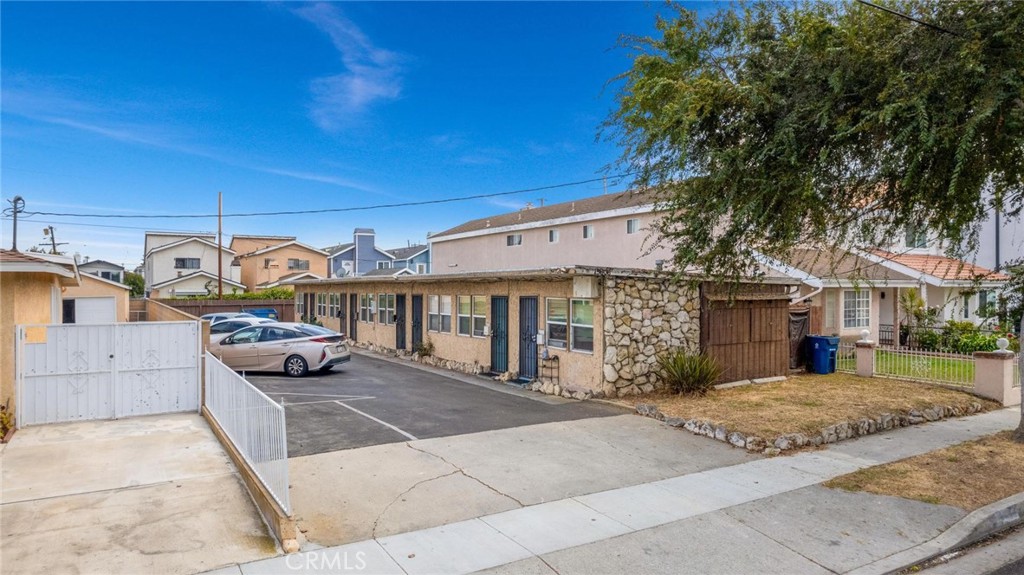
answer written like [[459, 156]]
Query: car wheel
[[326, 368], [295, 366]]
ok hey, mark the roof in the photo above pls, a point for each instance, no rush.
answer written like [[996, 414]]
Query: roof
[[257, 237], [200, 239], [941, 267], [62, 266], [337, 249], [283, 245], [843, 266], [593, 205], [99, 262], [364, 231], [387, 272], [288, 278], [184, 277], [184, 234], [409, 252]]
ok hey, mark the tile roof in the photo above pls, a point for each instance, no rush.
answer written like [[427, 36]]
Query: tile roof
[[591, 205], [842, 265], [13, 256], [405, 253], [942, 267]]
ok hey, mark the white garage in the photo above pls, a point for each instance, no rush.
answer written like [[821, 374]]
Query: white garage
[[90, 310]]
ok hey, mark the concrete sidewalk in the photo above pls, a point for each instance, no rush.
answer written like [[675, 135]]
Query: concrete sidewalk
[[762, 516]]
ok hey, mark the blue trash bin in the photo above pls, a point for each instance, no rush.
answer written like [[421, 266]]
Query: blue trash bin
[[822, 351]]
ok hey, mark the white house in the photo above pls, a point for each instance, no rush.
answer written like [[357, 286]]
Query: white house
[[183, 264]]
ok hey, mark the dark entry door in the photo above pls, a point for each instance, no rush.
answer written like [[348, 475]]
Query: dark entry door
[[417, 321], [400, 321], [528, 337], [353, 315], [499, 334], [310, 306]]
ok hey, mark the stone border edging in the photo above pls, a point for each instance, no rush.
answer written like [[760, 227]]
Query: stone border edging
[[831, 434], [977, 525]]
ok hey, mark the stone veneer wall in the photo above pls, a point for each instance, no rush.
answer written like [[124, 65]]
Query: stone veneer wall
[[642, 318]]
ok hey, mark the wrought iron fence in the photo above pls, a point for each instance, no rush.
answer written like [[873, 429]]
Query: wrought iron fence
[[254, 423], [929, 366]]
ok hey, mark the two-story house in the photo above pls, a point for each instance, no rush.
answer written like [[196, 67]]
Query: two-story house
[[414, 258], [103, 269], [183, 264], [610, 230], [266, 261], [359, 256]]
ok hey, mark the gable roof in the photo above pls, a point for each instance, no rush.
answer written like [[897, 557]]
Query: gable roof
[[288, 278], [284, 245], [92, 263], [942, 268], [409, 252], [199, 239], [184, 277], [583, 207], [388, 272], [844, 267], [338, 249], [61, 266]]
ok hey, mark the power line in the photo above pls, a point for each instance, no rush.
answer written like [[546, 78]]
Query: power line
[[333, 210], [909, 17]]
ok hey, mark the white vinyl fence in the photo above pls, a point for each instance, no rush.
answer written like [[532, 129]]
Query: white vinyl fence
[[955, 369], [254, 423], [846, 358]]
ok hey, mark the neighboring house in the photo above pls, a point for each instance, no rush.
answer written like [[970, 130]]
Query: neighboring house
[[96, 300], [416, 258], [358, 257], [1000, 240], [267, 261], [610, 230], [103, 269], [30, 293], [182, 264]]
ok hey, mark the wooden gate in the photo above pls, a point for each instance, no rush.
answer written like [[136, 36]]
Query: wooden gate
[[748, 332]]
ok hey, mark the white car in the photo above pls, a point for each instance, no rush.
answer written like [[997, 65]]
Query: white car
[[295, 348], [221, 316], [226, 327]]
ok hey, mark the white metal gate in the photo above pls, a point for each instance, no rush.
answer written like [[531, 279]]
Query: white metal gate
[[106, 371]]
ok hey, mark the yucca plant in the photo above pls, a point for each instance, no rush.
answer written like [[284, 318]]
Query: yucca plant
[[687, 373]]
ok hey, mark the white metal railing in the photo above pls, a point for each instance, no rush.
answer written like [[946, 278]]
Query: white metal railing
[[930, 366], [254, 423], [846, 358]]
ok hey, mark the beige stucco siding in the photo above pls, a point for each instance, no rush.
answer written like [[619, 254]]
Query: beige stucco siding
[[92, 287], [25, 298], [255, 272], [610, 246]]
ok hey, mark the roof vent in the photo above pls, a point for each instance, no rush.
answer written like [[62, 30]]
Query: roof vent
[[573, 207], [528, 206], [488, 224]]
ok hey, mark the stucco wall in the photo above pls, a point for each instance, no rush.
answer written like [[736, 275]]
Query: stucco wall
[[91, 287], [24, 299], [160, 266], [254, 272], [611, 246]]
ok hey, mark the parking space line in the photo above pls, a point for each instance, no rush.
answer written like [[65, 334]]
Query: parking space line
[[384, 423], [317, 394], [295, 403]]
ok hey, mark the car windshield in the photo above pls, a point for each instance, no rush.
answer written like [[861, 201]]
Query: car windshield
[[314, 330]]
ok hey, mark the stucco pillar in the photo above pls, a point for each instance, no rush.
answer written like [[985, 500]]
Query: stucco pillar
[[993, 375], [865, 350]]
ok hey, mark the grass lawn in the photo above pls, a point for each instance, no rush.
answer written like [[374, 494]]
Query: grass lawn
[[806, 403], [927, 367], [968, 475]]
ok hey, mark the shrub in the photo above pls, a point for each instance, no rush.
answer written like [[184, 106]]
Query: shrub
[[688, 373], [425, 348]]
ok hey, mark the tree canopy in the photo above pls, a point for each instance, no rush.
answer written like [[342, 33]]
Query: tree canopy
[[775, 124]]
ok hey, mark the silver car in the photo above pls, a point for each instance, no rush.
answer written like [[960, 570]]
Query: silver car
[[294, 348], [226, 327]]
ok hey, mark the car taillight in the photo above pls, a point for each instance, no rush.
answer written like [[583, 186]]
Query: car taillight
[[320, 340], [323, 354]]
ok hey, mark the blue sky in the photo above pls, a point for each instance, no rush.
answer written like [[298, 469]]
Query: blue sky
[[153, 108]]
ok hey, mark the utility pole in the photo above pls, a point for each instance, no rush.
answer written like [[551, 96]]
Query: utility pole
[[17, 206], [220, 246], [49, 232]]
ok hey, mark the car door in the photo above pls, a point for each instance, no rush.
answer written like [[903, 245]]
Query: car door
[[224, 328], [276, 343], [239, 350]]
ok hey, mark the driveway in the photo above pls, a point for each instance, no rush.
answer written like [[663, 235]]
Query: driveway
[[373, 401], [150, 494]]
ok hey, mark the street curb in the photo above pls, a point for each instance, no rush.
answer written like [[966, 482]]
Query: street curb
[[977, 525]]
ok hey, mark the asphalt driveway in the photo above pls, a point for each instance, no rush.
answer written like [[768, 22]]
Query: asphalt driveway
[[373, 401]]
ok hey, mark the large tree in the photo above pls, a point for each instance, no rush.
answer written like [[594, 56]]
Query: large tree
[[775, 124]]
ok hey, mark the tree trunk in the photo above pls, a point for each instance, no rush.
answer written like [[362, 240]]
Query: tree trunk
[[1018, 435]]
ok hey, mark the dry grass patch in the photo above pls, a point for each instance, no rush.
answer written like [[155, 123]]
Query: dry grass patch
[[968, 475], [807, 403]]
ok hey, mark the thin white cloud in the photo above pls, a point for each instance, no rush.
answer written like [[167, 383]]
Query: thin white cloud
[[371, 74]]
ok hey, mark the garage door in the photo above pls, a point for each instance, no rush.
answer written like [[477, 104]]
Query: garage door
[[95, 310]]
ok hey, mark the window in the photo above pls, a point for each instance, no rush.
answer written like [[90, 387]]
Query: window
[[830, 309], [277, 333], [112, 276], [582, 325], [297, 264], [588, 232], [967, 307], [227, 326], [421, 268], [366, 307], [334, 305], [856, 308], [299, 305], [985, 302], [552, 236], [186, 263], [386, 308], [465, 313], [250, 335], [439, 313], [917, 236], [321, 304], [479, 316], [514, 240], [632, 225], [383, 265], [558, 322]]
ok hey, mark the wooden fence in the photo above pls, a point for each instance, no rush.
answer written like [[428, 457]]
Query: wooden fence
[[748, 333], [199, 307]]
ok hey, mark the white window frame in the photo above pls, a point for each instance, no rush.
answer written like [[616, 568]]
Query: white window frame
[[386, 308], [383, 264], [421, 268], [632, 225], [588, 231], [333, 305], [862, 313], [366, 307], [573, 326], [552, 236], [300, 305], [298, 264], [550, 340], [513, 240], [185, 263], [321, 304], [481, 318], [469, 317], [439, 313]]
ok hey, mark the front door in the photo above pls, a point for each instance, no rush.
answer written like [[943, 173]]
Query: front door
[[417, 321], [528, 337], [342, 312], [353, 314], [499, 334], [400, 321]]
